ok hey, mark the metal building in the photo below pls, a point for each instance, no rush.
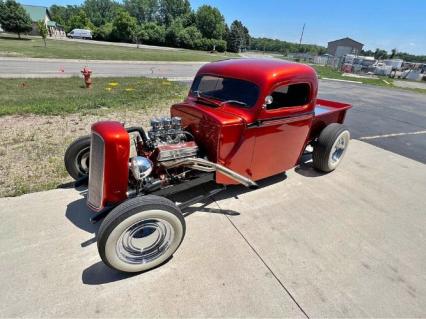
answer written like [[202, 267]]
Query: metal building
[[341, 47]]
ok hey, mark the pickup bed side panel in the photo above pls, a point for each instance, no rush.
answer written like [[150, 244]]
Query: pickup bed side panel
[[327, 112]]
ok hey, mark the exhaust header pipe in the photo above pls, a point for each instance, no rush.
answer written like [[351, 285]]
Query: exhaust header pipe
[[207, 166]]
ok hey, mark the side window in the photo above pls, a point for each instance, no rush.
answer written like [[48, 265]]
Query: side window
[[289, 96]]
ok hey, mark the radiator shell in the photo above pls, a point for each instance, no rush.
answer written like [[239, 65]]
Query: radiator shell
[[109, 173]]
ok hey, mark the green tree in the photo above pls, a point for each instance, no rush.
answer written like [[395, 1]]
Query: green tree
[[143, 10], [42, 30], [152, 33], [103, 32], [393, 53], [15, 19], [275, 45], [189, 36], [380, 54], [62, 15], [79, 21], [189, 19], [172, 33], [210, 22], [99, 12], [2, 11], [169, 10], [123, 26], [367, 53], [238, 38]]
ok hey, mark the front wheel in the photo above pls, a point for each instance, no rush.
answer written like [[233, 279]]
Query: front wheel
[[141, 233], [77, 157], [330, 147]]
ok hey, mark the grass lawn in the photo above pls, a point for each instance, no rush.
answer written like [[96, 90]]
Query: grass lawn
[[40, 117], [328, 72], [68, 95], [34, 48]]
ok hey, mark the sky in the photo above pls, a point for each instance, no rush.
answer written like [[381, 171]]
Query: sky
[[377, 24]]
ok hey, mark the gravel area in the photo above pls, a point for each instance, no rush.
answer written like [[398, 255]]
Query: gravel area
[[32, 147]]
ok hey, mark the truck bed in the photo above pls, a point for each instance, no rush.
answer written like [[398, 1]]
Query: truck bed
[[327, 112], [325, 107]]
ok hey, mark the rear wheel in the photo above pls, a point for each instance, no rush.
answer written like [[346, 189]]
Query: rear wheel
[[330, 147], [77, 157], [141, 233]]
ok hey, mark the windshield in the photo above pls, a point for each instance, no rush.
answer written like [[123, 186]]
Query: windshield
[[226, 89]]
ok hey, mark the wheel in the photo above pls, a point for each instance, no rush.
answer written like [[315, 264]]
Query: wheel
[[77, 157], [141, 233], [330, 147]]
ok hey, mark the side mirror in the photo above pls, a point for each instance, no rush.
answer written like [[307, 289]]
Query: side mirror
[[268, 100]]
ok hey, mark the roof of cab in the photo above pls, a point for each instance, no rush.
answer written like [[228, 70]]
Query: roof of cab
[[260, 71]]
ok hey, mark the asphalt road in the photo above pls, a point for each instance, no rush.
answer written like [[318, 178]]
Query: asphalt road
[[36, 68], [392, 119]]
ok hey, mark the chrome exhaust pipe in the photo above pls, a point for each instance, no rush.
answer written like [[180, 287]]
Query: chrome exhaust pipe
[[207, 166]]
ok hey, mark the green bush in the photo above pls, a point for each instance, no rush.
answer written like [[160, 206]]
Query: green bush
[[103, 32], [221, 45], [152, 33], [210, 44]]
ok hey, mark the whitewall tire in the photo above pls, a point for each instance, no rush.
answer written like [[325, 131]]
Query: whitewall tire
[[141, 233]]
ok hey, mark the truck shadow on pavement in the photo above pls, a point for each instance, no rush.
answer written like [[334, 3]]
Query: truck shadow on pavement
[[306, 168], [98, 273]]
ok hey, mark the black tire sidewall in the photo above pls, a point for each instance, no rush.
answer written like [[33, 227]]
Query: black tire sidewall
[[72, 152], [324, 145]]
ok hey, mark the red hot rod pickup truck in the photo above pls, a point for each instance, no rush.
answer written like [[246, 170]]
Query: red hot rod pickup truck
[[243, 120]]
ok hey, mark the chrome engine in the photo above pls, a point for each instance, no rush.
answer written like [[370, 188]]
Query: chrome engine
[[166, 130], [170, 140]]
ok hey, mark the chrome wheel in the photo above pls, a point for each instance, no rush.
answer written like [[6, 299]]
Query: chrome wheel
[[82, 161], [330, 147], [141, 233], [145, 241], [339, 147]]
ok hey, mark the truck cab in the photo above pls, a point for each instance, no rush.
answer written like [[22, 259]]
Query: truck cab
[[256, 116]]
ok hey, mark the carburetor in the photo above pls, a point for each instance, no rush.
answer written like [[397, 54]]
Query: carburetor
[[170, 140], [166, 130]]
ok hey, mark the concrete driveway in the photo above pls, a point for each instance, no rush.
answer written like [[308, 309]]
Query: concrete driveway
[[346, 244]]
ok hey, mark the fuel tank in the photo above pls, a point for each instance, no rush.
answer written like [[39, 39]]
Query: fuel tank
[[220, 133]]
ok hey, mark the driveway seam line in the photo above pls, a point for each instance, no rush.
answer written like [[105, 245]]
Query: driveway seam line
[[265, 264]]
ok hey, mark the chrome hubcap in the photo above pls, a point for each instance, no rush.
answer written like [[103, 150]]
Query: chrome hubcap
[[145, 241], [82, 161], [339, 148]]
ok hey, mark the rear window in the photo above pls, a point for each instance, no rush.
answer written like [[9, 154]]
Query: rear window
[[225, 89]]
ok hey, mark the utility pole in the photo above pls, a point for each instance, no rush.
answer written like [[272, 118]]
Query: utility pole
[[301, 36]]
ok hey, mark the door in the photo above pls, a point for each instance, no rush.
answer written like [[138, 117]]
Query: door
[[281, 130]]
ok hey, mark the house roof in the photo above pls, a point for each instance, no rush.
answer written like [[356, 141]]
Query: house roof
[[36, 13], [347, 38]]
